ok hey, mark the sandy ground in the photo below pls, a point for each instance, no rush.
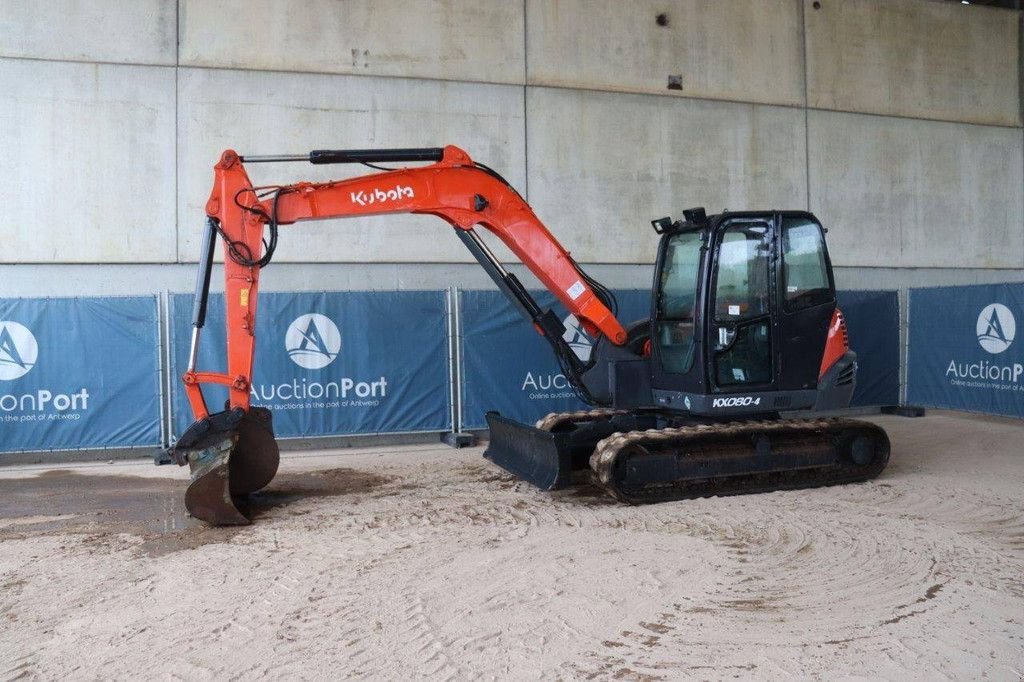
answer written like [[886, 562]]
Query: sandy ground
[[430, 562]]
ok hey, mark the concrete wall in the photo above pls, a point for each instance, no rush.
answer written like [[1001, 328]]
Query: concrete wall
[[274, 112], [744, 50], [604, 171], [897, 121], [905, 193], [446, 39], [87, 171], [136, 32], [914, 59]]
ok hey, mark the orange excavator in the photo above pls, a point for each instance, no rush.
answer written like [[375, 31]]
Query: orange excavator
[[686, 403]]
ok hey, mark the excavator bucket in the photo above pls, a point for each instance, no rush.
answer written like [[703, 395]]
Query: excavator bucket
[[230, 454], [534, 455], [209, 495]]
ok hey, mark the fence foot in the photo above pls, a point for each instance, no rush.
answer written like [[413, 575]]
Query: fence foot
[[459, 440], [161, 456], [902, 410]]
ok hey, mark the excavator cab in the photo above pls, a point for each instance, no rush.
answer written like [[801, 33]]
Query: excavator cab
[[740, 317], [743, 326], [743, 322]]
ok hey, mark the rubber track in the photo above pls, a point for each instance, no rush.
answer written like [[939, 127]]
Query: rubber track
[[671, 441], [549, 422]]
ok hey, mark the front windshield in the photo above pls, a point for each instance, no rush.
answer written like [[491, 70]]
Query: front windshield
[[677, 297]]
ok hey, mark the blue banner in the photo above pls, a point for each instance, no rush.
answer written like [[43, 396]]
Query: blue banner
[[510, 368], [873, 322], [78, 373], [331, 363], [507, 366], [963, 351]]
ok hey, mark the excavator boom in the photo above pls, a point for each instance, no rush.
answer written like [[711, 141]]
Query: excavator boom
[[233, 452]]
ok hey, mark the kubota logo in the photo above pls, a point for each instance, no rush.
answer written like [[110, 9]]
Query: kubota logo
[[996, 328], [577, 338], [379, 196], [312, 341], [18, 350]]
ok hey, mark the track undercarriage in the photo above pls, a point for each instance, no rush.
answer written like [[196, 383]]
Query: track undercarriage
[[642, 457]]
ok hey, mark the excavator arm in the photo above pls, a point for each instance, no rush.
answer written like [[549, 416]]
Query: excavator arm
[[453, 188], [233, 452]]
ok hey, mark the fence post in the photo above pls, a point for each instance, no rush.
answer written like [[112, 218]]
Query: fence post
[[456, 438]]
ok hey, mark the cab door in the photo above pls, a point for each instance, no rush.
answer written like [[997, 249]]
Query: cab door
[[740, 330], [806, 301], [676, 314]]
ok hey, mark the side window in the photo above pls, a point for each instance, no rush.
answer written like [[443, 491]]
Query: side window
[[679, 277], [742, 299], [742, 290], [804, 270], [676, 301]]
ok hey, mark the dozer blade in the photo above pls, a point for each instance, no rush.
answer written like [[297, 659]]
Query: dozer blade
[[538, 457], [230, 454]]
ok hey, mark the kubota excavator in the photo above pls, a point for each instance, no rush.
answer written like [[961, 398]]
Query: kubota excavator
[[743, 326]]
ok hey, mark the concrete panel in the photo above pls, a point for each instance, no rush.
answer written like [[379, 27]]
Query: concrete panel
[[445, 39], [601, 166], [271, 113], [87, 169], [135, 32], [905, 193], [745, 50], [938, 60]]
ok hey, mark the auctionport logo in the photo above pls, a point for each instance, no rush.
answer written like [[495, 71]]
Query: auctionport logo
[[545, 386], [577, 338], [312, 341], [18, 354], [18, 350], [996, 328]]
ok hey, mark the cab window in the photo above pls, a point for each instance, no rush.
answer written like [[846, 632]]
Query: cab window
[[742, 305], [805, 281], [676, 301], [742, 290]]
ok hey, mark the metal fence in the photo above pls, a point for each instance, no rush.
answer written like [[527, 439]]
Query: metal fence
[[78, 373]]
